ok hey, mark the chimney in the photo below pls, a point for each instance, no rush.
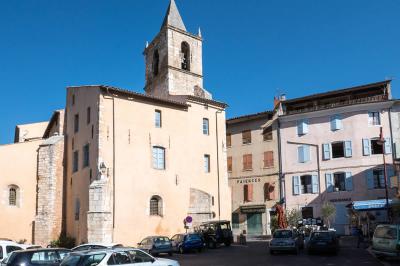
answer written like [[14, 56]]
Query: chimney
[[282, 97]]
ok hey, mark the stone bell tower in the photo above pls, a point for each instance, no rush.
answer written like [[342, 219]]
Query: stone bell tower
[[174, 59]]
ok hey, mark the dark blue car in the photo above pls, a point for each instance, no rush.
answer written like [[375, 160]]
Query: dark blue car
[[186, 242]]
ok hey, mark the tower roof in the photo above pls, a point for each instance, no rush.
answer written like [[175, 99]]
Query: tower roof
[[173, 18]]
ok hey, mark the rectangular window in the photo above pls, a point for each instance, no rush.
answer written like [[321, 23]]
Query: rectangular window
[[302, 127], [159, 158], [303, 153], [77, 209], [229, 164], [247, 162], [229, 140], [86, 156], [76, 123], [206, 163], [246, 137], [337, 149], [75, 161], [306, 184], [374, 118], [267, 134], [268, 159], [205, 126], [157, 119], [88, 115], [73, 99], [336, 122], [339, 182], [248, 193], [376, 147], [379, 178]]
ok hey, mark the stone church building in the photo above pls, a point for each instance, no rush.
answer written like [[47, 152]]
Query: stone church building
[[117, 165]]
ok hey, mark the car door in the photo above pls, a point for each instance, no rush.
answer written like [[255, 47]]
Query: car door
[[140, 258], [10, 249], [175, 242]]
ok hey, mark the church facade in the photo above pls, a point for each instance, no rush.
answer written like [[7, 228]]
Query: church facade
[[125, 165]]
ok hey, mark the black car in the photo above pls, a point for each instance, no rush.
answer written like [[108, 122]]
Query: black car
[[323, 241], [216, 232], [34, 257]]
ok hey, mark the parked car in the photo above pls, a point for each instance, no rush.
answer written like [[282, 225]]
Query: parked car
[[156, 245], [186, 242], [103, 257], [8, 246], [323, 241], [91, 246], [386, 241], [216, 232], [35, 257], [286, 240]]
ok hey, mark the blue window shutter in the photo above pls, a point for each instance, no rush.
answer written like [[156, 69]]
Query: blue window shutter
[[388, 146], [329, 182], [305, 126], [300, 154], [326, 151], [306, 153], [315, 184], [333, 123], [390, 174], [348, 152], [366, 147], [370, 179], [338, 122], [300, 128], [296, 185], [349, 181]]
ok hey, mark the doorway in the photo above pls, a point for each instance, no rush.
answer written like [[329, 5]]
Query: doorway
[[254, 224]]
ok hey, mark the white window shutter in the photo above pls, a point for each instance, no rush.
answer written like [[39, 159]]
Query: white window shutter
[[305, 126], [388, 146], [370, 118], [315, 184], [300, 154], [326, 151], [338, 122], [296, 185], [329, 182], [366, 147], [333, 124], [300, 127], [306, 153], [348, 152], [349, 181]]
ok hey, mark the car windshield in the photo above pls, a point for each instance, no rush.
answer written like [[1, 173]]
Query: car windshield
[[71, 260], [283, 234], [321, 235], [225, 226], [386, 232], [161, 240]]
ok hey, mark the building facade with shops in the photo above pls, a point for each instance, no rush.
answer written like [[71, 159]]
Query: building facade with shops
[[253, 171], [332, 151]]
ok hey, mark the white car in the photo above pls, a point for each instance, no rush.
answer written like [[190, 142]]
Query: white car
[[91, 246], [126, 256], [8, 246]]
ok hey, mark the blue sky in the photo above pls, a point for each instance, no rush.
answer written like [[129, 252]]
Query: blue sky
[[253, 49]]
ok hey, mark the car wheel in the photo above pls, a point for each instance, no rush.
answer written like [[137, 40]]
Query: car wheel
[[271, 252], [227, 243], [200, 250], [296, 251], [170, 254], [181, 250]]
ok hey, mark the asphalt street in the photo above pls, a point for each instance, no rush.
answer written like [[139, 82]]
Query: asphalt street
[[256, 254]]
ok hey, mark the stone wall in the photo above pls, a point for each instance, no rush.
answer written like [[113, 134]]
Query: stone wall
[[48, 220], [99, 217]]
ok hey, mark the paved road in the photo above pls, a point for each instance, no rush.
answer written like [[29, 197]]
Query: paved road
[[256, 254]]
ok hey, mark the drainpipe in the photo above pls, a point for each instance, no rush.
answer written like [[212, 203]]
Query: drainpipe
[[281, 187], [216, 136]]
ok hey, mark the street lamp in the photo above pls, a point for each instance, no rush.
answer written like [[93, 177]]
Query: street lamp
[[381, 142], [103, 169]]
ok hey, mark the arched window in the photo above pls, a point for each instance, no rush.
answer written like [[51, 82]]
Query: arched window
[[185, 56], [13, 195], [269, 191], [156, 62], [156, 206]]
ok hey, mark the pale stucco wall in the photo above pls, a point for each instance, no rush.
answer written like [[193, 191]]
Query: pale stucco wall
[[18, 166], [30, 131], [259, 175], [355, 128]]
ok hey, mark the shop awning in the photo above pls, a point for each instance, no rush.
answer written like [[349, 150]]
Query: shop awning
[[252, 209], [370, 204]]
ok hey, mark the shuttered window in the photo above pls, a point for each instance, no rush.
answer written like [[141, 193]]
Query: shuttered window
[[248, 192], [267, 134], [229, 140], [247, 162], [157, 119], [229, 164], [206, 163], [268, 159], [246, 137]]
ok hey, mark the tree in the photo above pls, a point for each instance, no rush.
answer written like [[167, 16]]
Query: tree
[[293, 216], [328, 212]]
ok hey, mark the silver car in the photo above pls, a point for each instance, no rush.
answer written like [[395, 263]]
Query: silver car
[[286, 240]]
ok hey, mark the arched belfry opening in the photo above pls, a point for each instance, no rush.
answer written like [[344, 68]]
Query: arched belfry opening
[[156, 62], [185, 56]]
